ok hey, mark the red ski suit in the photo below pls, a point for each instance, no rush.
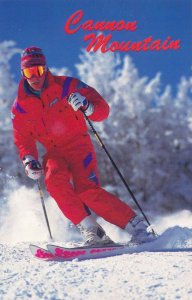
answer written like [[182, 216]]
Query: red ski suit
[[50, 120]]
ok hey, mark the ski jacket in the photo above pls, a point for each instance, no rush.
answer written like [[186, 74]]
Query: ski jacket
[[48, 118]]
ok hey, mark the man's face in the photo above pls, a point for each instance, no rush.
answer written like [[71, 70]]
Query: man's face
[[37, 82], [35, 76]]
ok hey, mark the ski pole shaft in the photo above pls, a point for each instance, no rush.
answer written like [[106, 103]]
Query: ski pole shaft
[[44, 209], [100, 142]]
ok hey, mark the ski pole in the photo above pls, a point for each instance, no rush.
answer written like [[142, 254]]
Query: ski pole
[[44, 209], [100, 142]]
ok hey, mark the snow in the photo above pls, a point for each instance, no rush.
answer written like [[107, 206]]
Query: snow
[[146, 275]]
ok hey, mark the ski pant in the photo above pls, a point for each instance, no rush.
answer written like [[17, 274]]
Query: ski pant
[[77, 161]]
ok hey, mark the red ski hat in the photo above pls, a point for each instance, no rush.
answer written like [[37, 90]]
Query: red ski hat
[[32, 56]]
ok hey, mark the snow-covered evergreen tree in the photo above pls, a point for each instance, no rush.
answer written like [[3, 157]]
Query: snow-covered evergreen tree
[[148, 132], [8, 87], [60, 71]]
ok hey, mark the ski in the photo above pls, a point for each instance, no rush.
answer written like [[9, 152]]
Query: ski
[[41, 253], [84, 253], [60, 253]]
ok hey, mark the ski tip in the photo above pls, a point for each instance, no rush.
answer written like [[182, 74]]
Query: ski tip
[[40, 253]]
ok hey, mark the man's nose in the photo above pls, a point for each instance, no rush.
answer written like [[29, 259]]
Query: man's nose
[[35, 77]]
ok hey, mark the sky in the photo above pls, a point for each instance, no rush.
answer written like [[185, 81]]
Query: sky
[[41, 23]]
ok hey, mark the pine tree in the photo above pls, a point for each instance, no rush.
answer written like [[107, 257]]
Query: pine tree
[[8, 87], [147, 133]]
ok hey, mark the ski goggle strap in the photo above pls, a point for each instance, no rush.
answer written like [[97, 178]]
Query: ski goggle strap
[[36, 71]]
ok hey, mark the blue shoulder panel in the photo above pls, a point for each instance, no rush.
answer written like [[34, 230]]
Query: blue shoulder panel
[[66, 86]]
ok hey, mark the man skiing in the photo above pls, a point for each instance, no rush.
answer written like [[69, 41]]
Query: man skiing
[[47, 109]]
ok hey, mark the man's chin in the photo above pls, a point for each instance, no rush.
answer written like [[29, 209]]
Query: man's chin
[[36, 86]]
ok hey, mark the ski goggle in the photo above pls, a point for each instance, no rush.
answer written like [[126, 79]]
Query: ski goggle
[[36, 71]]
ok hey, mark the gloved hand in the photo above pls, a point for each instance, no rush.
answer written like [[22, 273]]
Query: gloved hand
[[76, 100], [33, 167]]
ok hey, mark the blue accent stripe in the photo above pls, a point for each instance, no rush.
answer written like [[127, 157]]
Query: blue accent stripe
[[94, 178], [80, 85], [87, 160], [19, 108], [66, 86]]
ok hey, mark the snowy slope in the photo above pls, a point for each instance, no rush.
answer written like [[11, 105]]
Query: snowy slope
[[136, 276], [130, 276]]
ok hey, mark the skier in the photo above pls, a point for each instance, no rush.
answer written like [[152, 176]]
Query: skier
[[47, 109]]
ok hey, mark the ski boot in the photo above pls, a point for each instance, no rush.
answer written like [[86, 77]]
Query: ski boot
[[93, 233], [138, 229]]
